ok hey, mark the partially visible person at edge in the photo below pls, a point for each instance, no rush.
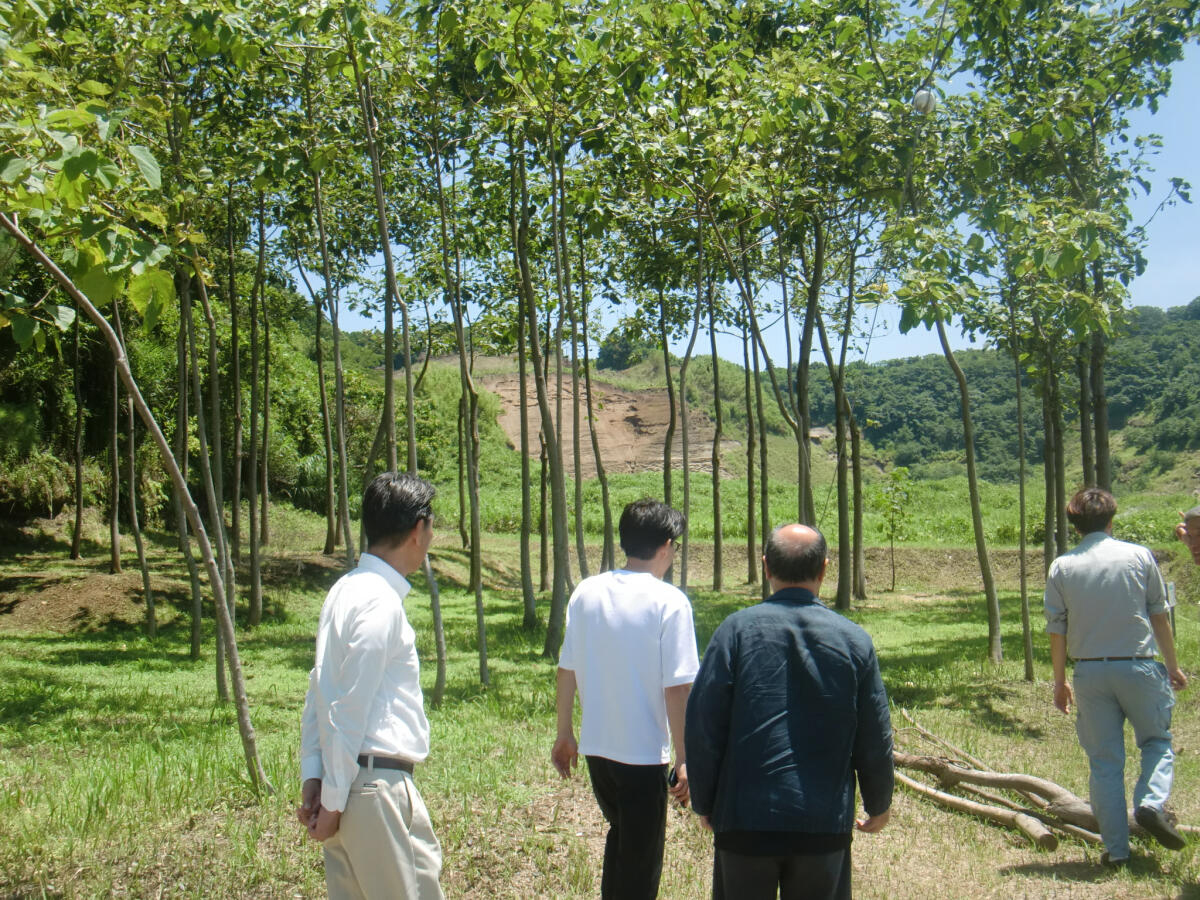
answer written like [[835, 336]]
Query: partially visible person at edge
[[1188, 531], [630, 650], [1106, 608], [364, 725], [787, 711]]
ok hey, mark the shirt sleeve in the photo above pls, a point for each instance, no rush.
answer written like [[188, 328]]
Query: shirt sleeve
[[677, 645], [1055, 604], [347, 681], [310, 736], [872, 755], [1156, 589], [706, 724]]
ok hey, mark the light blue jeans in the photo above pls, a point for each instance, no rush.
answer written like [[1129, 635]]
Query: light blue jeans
[[1106, 694]]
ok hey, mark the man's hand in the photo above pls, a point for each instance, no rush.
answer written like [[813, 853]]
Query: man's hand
[[1064, 696], [679, 790], [565, 755], [310, 802], [1178, 679], [324, 825], [873, 824]]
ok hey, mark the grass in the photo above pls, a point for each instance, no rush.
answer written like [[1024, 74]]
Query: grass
[[121, 776]]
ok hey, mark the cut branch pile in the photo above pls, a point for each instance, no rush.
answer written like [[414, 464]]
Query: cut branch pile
[[1040, 810]]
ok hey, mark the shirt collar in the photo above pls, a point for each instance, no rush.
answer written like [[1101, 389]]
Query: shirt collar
[[372, 563], [794, 595]]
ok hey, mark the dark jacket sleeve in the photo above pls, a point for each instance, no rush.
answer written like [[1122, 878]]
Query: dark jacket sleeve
[[706, 727], [872, 759]]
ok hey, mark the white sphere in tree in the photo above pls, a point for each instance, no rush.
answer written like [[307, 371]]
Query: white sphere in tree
[[924, 101]]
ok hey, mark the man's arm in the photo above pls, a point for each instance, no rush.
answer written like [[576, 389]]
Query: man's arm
[[565, 753], [1161, 623], [871, 752], [707, 722], [676, 698], [1063, 695]]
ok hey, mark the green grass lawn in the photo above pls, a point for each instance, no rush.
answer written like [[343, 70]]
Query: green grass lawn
[[121, 776]]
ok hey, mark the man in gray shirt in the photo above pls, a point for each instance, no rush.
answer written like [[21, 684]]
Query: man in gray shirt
[[1106, 606]]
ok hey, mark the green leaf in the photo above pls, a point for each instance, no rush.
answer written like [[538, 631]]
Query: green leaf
[[12, 167], [97, 285], [150, 292], [23, 329], [62, 316], [95, 88], [147, 164]]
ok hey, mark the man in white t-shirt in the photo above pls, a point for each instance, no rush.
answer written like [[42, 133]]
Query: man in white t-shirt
[[630, 650]]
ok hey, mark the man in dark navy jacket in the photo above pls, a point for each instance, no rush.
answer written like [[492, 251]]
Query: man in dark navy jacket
[[787, 710]]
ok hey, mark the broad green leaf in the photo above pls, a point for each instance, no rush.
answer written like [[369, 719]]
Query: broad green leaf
[[95, 88], [97, 285], [12, 167], [23, 329], [147, 164], [62, 316], [150, 292]]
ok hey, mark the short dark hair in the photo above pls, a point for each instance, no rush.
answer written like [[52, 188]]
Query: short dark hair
[[792, 564], [393, 504], [1091, 509], [648, 524]]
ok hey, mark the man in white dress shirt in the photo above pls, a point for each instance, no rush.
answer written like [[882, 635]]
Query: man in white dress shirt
[[364, 722]]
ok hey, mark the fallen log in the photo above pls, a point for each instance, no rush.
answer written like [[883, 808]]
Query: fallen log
[[1023, 822]]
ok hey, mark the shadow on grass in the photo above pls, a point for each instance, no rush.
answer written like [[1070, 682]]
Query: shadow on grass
[[1091, 872]]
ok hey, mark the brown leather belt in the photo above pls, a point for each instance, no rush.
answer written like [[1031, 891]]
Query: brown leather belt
[[385, 762]]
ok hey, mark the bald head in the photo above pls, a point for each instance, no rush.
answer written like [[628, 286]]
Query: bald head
[[795, 556]]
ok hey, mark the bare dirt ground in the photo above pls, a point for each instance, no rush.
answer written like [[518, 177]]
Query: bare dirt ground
[[630, 426]]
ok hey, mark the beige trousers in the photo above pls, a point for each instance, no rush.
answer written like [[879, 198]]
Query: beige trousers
[[384, 846]]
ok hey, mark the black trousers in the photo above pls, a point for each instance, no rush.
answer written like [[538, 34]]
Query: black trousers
[[634, 801], [798, 876]]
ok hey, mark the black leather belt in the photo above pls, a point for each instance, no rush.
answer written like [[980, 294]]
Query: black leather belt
[[385, 762], [1111, 658]]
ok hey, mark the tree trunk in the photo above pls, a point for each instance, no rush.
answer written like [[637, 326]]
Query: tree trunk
[[558, 499], [683, 416], [764, 497], [1026, 629], [1100, 413], [77, 451], [672, 413], [812, 312], [860, 561], [1052, 514], [131, 459], [256, 598], [528, 597], [257, 776], [752, 561], [841, 414], [1060, 464], [114, 480], [183, 286], [235, 360], [1087, 437], [718, 569], [607, 557], [544, 514], [264, 529], [995, 648]]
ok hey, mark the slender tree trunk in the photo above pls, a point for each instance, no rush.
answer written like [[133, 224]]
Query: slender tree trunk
[[256, 597], [544, 515], [461, 423], [183, 285], [1049, 538], [764, 495], [1087, 437], [235, 360], [131, 459], [577, 443], [529, 598], [995, 648], [685, 446], [841, 415], [718, 428], [752, 562], [608, 555], [1060, 463], [264, 530], [803, 364], [114, 480], [672, 413], [860, 560], [1026, 628], [77, 452], [1100, 413], [255, 771]]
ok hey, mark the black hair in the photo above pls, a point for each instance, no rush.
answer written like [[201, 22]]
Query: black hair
[[393, 504], [1091, 510], [791, 562], [648, 524]]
